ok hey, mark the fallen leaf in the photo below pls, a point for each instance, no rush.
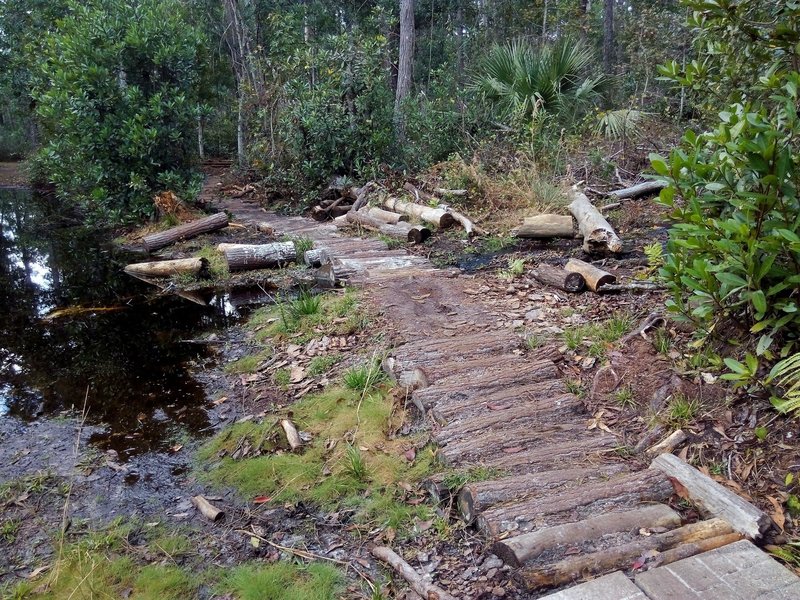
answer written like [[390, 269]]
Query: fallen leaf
[[777, 513], [176, 448], [680, 489], [261, 499]]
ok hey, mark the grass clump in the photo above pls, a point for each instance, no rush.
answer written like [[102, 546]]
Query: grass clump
[[217, 265], [455, 480], [624, 397], [284, 581], [364, 377], [320, 365], [598, 335], [662, 341], [534, 341], [246, 364], [682, 410], [282, 378]]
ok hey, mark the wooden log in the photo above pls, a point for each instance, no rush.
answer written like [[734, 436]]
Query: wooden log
[[598, 235], [668, 444], [265, 228], [333, 274], [427, 590], [569, 281], [714, 498], [590, 450], [619, 557], [469, 227], [385, 215], [292, 436], [168, 268], [518, 550], [436, 216], [648, 187], [244, 257], [401, 230], [546, 226], [477, 497], [446, 192], [316, 257], [208, 510], [690, 549], [361, 195], [595, 278], [154, 241], [338, 211]]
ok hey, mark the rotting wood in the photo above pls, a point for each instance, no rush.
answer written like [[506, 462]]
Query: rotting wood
[[154, 241], [648, 187], [689, 549], [668, 444], [474, 498], [242, 257], [168, 268], [292, 436], [208, 510], [516, 551], [402, 231], [446, 192], [595, 278], [428, 591], [581, 566], [619, 492], [568, 281], [333, 274], [598, 235], [714, 498], [386, 216], [316, 257], [546, 226], [436, 216]]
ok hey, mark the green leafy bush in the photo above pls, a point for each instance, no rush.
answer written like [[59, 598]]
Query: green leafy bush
[[115, 88]]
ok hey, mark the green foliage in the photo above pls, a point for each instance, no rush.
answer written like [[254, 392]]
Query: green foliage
[[364, 377], [522, 81], [355, 466], [682, 410], [115, 91], [785, 375], [620, 124], [624, 397], [655, 255], [284, 581]]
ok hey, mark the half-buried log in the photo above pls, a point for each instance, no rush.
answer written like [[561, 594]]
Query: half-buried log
[[168, 268], [598, 235], [648, 187], [546, 226], [619, 557], [569, 281], [436, 216], [516, 551], [595, 278], [242, 257], [401, 230], [714, 498], [154, 241], [385, 215]]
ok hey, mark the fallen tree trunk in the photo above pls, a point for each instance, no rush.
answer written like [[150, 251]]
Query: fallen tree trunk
[[569, 281], [620, 557], [516, 551], [714, 498], [595, 278], [386, 216], [167, 268], [598, 235], [469, 227], [316, 257], [242, 257], [641, 189], [427, 590], [186, 231], [546, 226], [208, 510], [437, 216], [403, 231]]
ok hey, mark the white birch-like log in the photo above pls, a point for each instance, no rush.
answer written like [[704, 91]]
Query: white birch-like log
[[386, 216], [436, 216], [316, 257], [546, 226], [595, 278], [243, 257], [208, 510], [598, 235], [167, 268], [292, 436], [648, 187]]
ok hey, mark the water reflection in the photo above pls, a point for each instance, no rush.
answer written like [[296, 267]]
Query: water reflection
[[130, 359]]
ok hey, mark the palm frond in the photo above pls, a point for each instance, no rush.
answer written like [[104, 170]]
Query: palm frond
[[786, 375], [622, 123]]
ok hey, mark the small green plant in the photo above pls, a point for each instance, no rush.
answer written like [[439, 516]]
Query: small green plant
[[354, 464], [655, 255], [9, 529], [391, 243], [786, 376], [534, 341], [282, 378], [496, 243], [322, 364], [662, 341], [761, 433], [455, 480], [624, 397], [575, 387], [788, 553], [245, 364], [305, 305], [716, 468], [516, 266], [364, 377], [615, 327], [682, 410], [573, 337], [301, 246], [217, 264], [597, 350]]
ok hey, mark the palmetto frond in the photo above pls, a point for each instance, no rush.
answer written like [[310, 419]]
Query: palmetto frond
[[786, 374], [618, 124]]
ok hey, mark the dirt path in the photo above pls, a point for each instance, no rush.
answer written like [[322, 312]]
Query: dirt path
[[561, 497]]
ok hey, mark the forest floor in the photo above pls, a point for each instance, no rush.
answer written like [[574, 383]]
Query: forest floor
[[362, 480]]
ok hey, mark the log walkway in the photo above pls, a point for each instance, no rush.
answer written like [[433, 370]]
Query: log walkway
[[561, 505]]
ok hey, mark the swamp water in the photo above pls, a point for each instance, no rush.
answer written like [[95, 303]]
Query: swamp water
[[127, 358]]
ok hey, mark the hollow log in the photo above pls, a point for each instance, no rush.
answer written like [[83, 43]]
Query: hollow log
[[427, 590], [595, 278], [518, 550], [546, 226], [385, 215], [242, 257], [714, 498], [401, 230], [154, 241], [208, 510], [316, 257], [569, 281], [648, 187], [598, 235], [292, 436], [619, 557], [167, 268], [477, 497], [437, 216]]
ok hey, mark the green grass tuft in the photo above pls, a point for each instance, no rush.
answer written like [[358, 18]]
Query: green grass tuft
[[284, 581]]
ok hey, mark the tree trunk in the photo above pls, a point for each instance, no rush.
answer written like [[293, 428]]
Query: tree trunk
[[608, 36], [200, 148], [167, 268], [241, 153], [405, 66], [598, 235], [595, 278], [559, 278], [546, 227], [186, 231], [243, 257], [641, 189]]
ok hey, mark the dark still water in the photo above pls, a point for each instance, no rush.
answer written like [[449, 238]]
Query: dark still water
[[128, 353]]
